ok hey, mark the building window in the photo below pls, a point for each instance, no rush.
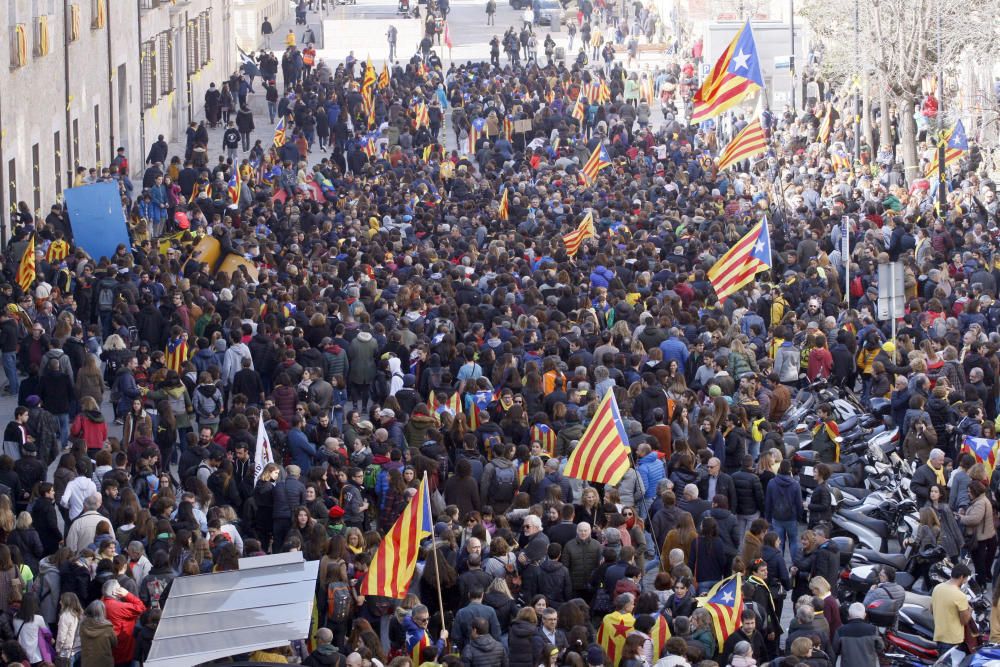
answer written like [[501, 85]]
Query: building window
[[18, 46], [149, 4], [165, 57], [97, 13], [74, 22], [36, 177], [41, 35], [57, 160], [204, 39], [193, 49], [147, 59]]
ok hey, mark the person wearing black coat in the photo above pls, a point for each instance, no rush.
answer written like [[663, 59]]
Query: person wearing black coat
[[749, 492], [525, 646], [288, 495], [821, 500], [826, 559], [244, 123], [44, 518], [554, 581], [504, 606], [750, 633], [709, 558], [723, 483], [151, 324]]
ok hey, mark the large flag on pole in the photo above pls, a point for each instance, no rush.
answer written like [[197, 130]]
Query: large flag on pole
[[262, 454], [735, 75], [26, 269], [615, 627], [602, 455], [984, 450], [955, 145], [750, 142], [503, 212], [392, 567], [585, 230], [724, 603], [736, 268]]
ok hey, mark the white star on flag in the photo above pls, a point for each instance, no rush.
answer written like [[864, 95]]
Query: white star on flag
[[740, 60], [759, 246], [728, 597]]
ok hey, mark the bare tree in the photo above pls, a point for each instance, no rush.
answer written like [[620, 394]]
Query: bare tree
[[899, 49]]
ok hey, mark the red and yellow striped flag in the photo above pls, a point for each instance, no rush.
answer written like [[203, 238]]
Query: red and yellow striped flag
[[57, 252], [384, 79], [503, 213], [750, 142], [368, 79], [26, 269], [546, 436], [614, 629], [508, 128], [392, 567], [825, 126], [579, 111], [736, 268], [585, 230], [598, 160], [659, 634], [602, 455], [422, 117], [176, 354]]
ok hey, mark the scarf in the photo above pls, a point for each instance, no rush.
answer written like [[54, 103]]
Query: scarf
[[938, 475]]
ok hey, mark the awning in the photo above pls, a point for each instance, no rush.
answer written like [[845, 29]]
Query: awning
[[267, 603]]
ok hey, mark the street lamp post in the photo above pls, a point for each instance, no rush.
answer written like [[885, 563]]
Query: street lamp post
[[942, 179], [791, 29]]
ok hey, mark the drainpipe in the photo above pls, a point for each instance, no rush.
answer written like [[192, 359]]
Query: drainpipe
[[68, 24], [111, 88]]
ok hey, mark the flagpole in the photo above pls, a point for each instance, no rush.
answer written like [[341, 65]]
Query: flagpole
[[434, 551]]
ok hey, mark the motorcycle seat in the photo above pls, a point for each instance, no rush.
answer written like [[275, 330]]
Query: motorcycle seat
[[921, 617], [854, 491], [848, 424], [897, 561], [917, 640], [858, 516], [905, 579]]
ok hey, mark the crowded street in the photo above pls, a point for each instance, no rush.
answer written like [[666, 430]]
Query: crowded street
[[530, 333]]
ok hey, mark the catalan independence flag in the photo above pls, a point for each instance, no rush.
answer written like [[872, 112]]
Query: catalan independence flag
[[615, 627], [579, 111], [234, 187], [955, 145], [475, 403], [735, 75], [724, 602], [279, 133], [602, 455], [546, 436], [475, 130], [750, 142], [659, 634], [384, 79], [508, 128], [176, 354], [392, 567], [585, 230], [598, 160], [421, 116], [57, 252], [825, 125], [742, 262], [452, 404], [840, 159], [503, 213], [984, 450], [26, 269]]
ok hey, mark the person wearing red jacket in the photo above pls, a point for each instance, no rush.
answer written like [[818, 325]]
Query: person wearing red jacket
[[123, 610]]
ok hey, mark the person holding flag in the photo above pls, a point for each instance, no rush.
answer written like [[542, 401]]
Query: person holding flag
[[616, 626]]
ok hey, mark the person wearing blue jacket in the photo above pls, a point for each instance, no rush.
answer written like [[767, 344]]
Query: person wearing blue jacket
[[303, 451], [651, 469], [783, 505]]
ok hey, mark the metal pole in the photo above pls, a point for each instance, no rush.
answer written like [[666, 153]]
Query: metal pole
[[892, 305], [791, 29], [857, 81], [846, 251], [942, 180], [434, 551]]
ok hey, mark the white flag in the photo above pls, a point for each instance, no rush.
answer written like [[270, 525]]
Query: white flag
[[263, 454]]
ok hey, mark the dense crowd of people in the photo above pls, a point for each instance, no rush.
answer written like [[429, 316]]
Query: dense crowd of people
[[389, 322]]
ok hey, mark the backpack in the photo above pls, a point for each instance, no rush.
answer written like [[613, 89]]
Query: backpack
[[857, 287], [207, 406], [155, 587], [380, 387], [503, 484], [105, 296], [371, 476], [339, 603]]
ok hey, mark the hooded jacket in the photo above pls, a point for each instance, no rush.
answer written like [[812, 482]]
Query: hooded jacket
[[484, 651], [233, 361], [783, 492], [361, 356]]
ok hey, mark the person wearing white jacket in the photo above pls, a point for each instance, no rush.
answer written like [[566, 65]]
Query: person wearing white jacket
[[68, 632]]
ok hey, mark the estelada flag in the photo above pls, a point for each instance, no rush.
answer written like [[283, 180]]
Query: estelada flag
[[26, 269], [749, 143], [585, 230], [984, 450], [176, 354], [602, 455], [392, 567], [738, 266], [614, 629], [503, 213], [724, 603], [546, 436], [659, 634], [735, 75]]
